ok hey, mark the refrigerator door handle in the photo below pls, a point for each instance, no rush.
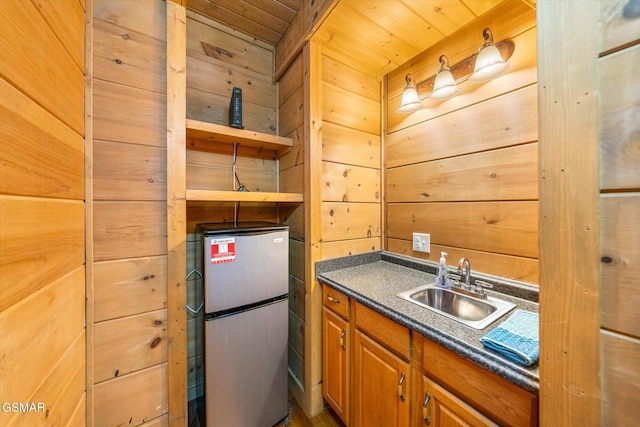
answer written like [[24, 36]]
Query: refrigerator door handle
[[247, 307]]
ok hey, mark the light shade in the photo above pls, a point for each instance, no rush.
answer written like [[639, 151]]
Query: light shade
[[489, 62], [444, 86], [632, 9], [410, 101]]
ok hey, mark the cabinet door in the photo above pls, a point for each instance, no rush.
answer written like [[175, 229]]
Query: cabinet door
[[381, 385], [441, 408], [335, 363]]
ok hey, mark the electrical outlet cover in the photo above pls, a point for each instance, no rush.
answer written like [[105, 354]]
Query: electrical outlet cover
[[422, 242]]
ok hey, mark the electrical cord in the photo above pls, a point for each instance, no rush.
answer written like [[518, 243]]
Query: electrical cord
[[241, 186]]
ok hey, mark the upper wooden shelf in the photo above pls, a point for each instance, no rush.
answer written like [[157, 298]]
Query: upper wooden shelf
[[228, 135], [242, 196]]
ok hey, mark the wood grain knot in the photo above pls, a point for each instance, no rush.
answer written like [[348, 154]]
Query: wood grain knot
[[606, 259], [155, 342], [215, 51]]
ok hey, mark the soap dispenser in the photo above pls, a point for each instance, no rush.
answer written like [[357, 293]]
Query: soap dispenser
[[442, 280]]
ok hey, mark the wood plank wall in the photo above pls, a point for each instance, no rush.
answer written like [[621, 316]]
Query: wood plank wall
[[291, 179], [129, 375], [334, 117], [465, 170], [335, 162], [619, 109], [42, 211], [219, 59], [351, 166]]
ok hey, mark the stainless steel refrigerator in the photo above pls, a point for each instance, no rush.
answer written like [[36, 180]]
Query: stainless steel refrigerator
[[246, 323]]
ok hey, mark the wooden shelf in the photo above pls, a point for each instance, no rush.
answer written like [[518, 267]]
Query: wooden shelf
[[228, 135], [242, 196]]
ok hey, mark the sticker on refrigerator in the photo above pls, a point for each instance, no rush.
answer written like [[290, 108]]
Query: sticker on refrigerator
[[223, 250]]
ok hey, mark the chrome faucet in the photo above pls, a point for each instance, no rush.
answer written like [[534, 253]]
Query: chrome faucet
[[466, 265]]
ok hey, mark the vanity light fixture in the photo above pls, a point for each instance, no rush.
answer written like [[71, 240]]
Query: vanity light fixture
[[444, 86], [489, 62], [410, 101]]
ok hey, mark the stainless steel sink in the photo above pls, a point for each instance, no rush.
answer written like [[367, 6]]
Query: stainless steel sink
[[473, 312]]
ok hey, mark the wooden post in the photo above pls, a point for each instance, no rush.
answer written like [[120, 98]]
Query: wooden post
[[176, 213], [569, 229], [88, 196], [313, 225]]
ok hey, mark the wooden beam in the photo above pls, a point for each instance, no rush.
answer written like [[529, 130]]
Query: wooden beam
[[313, 225], [89, 274], [176, 214], [569, 224], [307, 20]]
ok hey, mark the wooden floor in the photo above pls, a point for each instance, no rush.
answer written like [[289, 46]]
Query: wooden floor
[[297, 417]]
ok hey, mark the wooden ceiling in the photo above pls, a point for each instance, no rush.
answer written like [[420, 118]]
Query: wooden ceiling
[[373, 36], [377, 36], [266, 20]]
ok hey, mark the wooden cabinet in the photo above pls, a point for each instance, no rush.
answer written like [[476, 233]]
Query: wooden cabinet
[[440, 407], [464, 391], [335, 363], [381, 384], [336, 350], [381, 371], [378, 373]]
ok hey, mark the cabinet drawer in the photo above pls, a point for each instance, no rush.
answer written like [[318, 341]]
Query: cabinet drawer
[[390, 334], [499, 399], [444, 408], [335, 301]]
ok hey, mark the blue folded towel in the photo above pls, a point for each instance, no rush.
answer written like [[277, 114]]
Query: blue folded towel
[[517, 338]]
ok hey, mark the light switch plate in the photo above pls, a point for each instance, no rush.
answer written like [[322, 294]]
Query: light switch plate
[[422, 242]]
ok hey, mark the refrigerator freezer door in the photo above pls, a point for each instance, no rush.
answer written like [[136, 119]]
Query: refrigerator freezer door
[[243, 269], [246, 367]]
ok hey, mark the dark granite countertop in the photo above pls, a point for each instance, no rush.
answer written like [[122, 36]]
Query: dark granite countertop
[[374, 279]]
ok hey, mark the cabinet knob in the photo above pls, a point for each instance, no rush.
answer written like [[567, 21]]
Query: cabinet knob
[[342, 339], [425, 409], [332, 299], [401, 387]]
